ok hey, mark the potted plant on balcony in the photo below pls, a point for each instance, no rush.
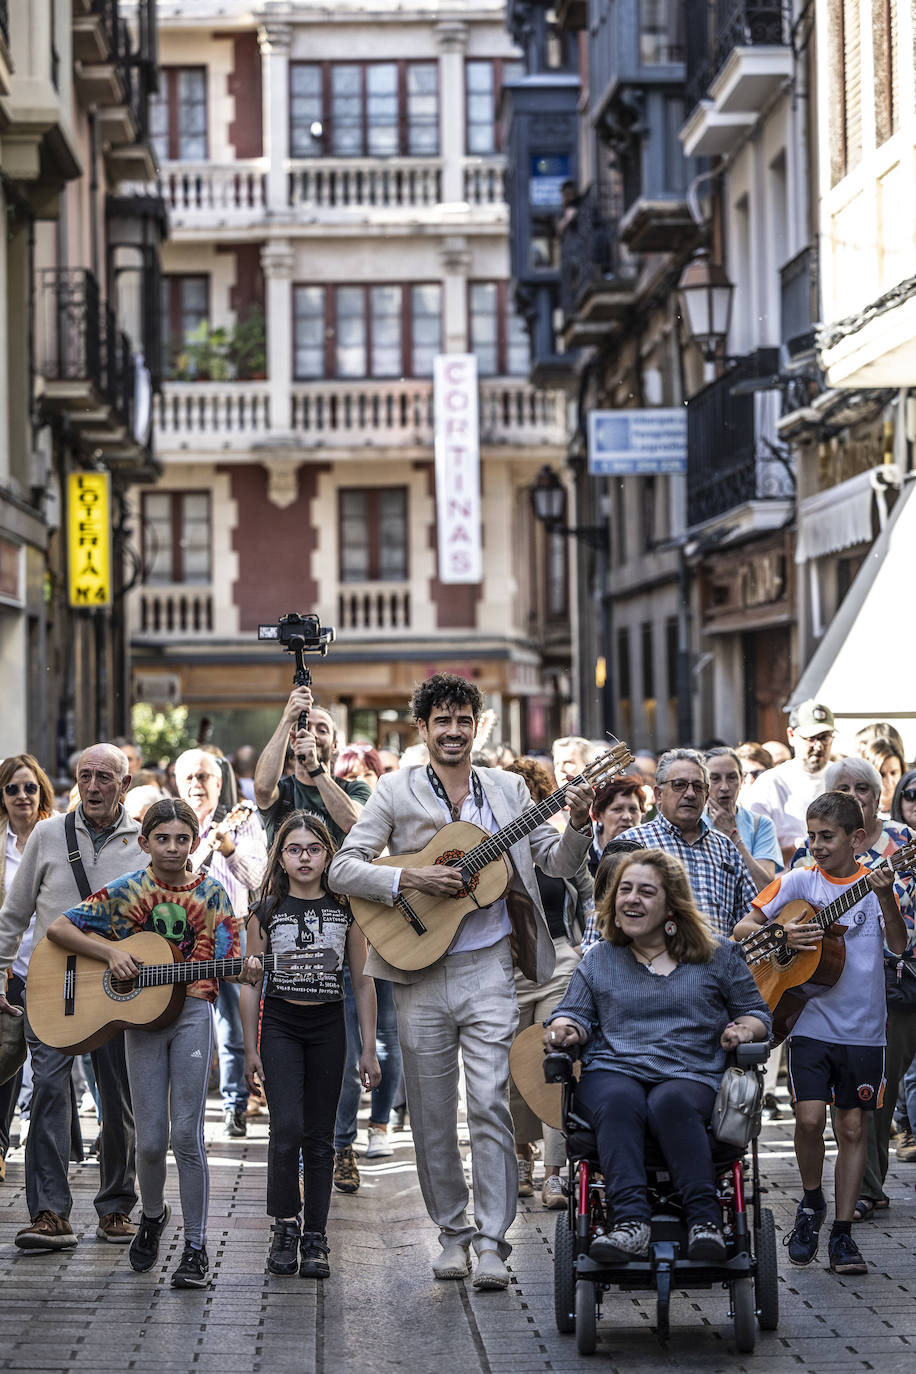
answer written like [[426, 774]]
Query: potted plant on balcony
[[206, 356], [248, 349]]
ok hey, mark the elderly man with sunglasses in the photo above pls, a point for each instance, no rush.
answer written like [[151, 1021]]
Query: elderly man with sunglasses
[[721, 884]]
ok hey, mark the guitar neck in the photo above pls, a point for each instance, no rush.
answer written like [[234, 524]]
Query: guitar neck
[[158, 975], [476, 859], [848, 898]]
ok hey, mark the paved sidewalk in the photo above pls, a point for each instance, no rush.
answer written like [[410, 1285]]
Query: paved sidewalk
[[381, 1309]]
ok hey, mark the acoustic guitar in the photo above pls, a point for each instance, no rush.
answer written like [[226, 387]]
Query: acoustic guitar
[[418, 929], [788, 978], [230, 825], [75, 1005]]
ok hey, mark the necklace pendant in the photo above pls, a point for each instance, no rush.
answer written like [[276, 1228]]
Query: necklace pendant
[[456, 812]]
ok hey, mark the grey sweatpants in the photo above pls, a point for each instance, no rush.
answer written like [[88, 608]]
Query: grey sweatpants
[[168, 1071]]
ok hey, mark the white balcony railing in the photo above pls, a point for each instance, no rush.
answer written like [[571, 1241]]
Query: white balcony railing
[[219, 416], [371, 606], [212, 414], [205, 193], [364, 183], [171, 612], [485, 180]]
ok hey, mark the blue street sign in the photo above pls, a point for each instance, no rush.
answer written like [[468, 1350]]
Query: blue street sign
[[637, 443]]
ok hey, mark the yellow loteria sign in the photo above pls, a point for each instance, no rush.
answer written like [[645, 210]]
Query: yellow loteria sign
[[89, 539]]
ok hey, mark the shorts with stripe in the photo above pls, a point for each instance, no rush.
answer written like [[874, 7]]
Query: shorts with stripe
[[844, 1076]]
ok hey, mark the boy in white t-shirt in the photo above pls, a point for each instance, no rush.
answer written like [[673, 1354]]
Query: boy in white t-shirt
[[836, 1047]]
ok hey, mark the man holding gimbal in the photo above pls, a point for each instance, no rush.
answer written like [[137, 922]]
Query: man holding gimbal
[[311, 786]]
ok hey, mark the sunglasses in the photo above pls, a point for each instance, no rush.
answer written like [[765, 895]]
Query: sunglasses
[[312, 850], [29, 788], [909, 794]]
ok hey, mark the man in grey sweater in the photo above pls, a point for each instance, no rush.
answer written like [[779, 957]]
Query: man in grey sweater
[[46, 884]]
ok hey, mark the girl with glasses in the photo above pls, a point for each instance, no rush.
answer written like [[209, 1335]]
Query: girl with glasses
[[299, 1062]]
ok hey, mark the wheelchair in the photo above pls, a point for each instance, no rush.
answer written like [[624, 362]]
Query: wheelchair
[[749, 1271]]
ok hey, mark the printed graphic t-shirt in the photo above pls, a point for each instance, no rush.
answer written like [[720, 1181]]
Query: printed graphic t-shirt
[[196, 918], [309, 925], [854, 1010]]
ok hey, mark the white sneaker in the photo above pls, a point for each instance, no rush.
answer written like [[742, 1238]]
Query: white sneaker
[[379, 1145], [553, 1194]]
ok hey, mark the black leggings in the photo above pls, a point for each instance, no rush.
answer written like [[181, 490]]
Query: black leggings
[[303, 1050], [622, 1110]]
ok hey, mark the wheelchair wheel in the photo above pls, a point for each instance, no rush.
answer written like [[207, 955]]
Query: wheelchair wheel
[[743, 1315], [586, 1317], [766, 1284], [564, 1276]]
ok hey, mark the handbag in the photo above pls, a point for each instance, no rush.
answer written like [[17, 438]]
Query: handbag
[[738, 1109], [900, 982]]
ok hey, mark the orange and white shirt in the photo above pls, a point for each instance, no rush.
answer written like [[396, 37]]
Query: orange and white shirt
[[854, 1010]]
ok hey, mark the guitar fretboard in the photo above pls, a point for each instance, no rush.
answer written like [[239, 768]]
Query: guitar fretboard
[[157, 975]]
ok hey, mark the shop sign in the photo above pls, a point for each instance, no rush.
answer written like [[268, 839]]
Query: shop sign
[[457, 441], [89, 539], [637, 443]]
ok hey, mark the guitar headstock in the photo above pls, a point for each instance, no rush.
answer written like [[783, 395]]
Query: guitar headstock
[[903, 859], [608, 765]]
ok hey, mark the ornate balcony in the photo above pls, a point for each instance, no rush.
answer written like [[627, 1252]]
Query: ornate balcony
[[597, 283], [731, 455], [368, 607], [732, 75], [364, 183], [220, 417], [171, 612]]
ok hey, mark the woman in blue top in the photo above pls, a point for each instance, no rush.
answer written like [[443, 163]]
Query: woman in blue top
[[656, 1005]]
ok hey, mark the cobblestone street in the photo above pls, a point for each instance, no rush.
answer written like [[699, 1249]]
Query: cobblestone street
[[87, 1311]]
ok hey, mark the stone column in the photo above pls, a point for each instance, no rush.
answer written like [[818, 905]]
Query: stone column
[[277, 262], [452, 41], [274, 41], [455, 258]]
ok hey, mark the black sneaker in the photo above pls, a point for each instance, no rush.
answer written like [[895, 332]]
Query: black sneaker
[[144, 1248], [193, 1269], [802, 1240], [314, 1250], [282, 1258], [234, 1124], [845, 1257]]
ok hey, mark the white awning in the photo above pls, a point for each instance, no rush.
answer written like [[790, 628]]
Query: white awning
[[865, 665], [835, 519]]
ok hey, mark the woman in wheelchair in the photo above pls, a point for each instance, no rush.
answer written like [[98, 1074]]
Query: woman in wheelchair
[[656, 1005]]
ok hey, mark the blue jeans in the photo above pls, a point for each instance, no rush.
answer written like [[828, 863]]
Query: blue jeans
[[230, 1043], [389, 1058]]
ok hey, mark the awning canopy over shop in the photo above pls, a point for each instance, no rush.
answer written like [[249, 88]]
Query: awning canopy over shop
[[838, 518], [865, 665]]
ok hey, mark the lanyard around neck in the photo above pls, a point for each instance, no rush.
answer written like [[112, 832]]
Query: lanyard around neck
[[438, 787]]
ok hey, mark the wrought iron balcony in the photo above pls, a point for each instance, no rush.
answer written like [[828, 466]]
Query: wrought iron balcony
[[738, 24], [731, 459], [596, 281]]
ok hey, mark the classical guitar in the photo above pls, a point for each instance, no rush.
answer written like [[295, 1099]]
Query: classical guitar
[[789, 978], [230, 825], [75, 1005], [418, 929]]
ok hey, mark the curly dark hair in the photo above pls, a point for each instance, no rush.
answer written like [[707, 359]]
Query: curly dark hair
[[538, 779], [444, 689]]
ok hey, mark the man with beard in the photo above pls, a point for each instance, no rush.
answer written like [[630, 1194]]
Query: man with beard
[[785, 792], [465, 1001], [721, 884], [311, 786]]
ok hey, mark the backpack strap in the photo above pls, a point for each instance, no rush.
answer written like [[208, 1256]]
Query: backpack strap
[[74, 857]]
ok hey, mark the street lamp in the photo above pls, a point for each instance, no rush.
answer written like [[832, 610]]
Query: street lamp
[[548, 502], [706, 302]]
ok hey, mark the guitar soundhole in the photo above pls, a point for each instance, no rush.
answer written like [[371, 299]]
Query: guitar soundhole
[[120, 989], [452, 856]]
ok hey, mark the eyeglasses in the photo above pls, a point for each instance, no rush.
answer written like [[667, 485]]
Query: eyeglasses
[[312, 850], [29, 788], [682, 785], [909, 794], [201, 777]]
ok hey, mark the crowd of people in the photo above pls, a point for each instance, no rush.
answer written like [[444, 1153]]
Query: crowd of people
[[622, 929]]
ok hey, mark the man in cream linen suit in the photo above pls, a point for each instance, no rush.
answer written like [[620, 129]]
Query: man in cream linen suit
[[465, 1001]]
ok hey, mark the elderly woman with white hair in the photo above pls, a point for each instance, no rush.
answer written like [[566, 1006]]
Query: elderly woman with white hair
[[882, 838]]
